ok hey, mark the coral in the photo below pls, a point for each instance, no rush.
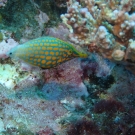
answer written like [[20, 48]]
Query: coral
[[53, 8], [28, 111], [82, 127], [23, 19], [21, 130], [97, 65], [124, 85], [42, 18], [68, 74], [8, 76], [60, 32], [105, 28], [11, 78], [29, 32], [28, 81], [109, 98], [73, 104], [131, 51], [46, 131], [5, 46], [1, 125], [89, 96], [109, 106], [59, 74]]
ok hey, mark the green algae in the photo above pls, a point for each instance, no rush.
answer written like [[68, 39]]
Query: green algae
[[54, 12], [1, 37], [21, 130], [17, 15], [0, 18]]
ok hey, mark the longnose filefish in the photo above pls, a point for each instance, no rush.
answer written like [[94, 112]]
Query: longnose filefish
[[46, 52]]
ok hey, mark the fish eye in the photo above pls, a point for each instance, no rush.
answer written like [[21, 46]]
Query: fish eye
[[10, 53], [70, 52]]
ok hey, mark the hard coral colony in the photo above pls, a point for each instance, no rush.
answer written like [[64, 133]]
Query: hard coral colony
[[105, 27]]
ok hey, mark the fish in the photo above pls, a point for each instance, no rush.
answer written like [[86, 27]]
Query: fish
[[45, 52]]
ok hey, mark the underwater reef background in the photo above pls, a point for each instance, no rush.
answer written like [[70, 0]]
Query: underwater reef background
[[83, 96]]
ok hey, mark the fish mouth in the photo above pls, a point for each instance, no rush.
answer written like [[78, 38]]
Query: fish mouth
[[83, 55]]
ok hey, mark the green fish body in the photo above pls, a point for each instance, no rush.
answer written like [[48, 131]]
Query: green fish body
[[45, 52]]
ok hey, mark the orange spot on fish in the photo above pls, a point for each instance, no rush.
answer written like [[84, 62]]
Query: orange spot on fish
[[49, 48], [60, 60], [42, 56], [57, 53], [43, 61], [46, 53], [41, 52], [48, 57], [54, 62], [54, 45], [53, 58], [52, 53], [43, 48], [48, 63], [36, 56], [64, 55], [61, 49], [55, 49]]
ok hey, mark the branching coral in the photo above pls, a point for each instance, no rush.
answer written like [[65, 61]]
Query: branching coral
[[105, 27]]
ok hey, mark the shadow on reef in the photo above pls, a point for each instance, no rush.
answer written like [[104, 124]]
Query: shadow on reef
[[52, 6], [83, 127], [111, 104], [53, 9], [102, 82]]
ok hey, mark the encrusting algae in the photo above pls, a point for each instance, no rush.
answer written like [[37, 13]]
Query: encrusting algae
[[45, 52]]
